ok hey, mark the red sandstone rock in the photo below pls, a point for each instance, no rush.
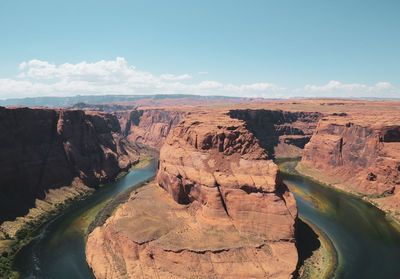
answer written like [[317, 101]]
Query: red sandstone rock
[[43, 149], [362, 153], [149, 126], [281, 133], [225, 212], [365, 153]]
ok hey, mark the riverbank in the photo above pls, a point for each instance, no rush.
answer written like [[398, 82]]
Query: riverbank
[[334, 182], [17, 234], [112, 205], [322, 261], [59, 249], [89, 218], [365, 241], [319, 262]]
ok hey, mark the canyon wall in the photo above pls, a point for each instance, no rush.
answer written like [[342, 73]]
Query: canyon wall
[[42, 149], [281, 133], [149, 126], [359, 154], [219, 209]]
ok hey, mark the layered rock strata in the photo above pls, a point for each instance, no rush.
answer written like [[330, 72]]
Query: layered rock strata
[[149, 126], [219, 209], [281, 133], [360, 154], [42, 149]]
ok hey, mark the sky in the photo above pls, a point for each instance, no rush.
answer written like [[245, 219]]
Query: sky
[[251, 48]]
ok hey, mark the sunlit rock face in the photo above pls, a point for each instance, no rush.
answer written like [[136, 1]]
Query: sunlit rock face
[[362, 154], [218, 209], [149, 126]]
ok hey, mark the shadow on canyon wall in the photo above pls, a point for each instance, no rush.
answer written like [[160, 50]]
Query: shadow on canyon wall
[[272, 127], [306, 242]]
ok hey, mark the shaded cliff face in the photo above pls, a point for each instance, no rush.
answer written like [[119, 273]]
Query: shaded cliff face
[[281, 133], [219, 209], [149, 126], [361, 153], [43, 149]]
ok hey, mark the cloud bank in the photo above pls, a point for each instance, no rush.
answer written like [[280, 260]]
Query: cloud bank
[[42, 78]]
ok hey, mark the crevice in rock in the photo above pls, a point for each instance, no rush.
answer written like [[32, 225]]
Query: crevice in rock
[[249, 189], [184, 190], [217, 251], [222, 199], [341, 151], [281, 189]]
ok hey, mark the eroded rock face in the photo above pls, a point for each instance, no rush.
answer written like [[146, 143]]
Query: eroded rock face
[[149, 126], [281, 133], [360, 152], [43, 149], [222, 211]]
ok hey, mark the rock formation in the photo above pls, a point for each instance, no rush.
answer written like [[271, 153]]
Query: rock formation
[[219, 209], [149, 126], [359, 154], [281, 133], [42, 149]]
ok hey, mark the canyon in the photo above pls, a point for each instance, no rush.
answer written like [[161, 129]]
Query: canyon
[[283, 134], [218, 207], [350, 145], [358, 154], [214, 174], [50, 156], [46, 154], [149, 126]]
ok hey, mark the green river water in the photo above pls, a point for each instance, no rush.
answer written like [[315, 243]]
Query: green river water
[[367, 245]]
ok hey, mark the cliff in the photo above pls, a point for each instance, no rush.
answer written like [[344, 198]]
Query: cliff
[[281, 133], [359, 154], [149, 126], [219, 209], [43, 149]]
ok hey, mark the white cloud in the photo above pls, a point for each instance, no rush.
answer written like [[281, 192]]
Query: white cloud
[[335, 85], [384, 85], [43, 78], [347, 90], [209, 84], [260, 86], [174, 77], [23, 65]]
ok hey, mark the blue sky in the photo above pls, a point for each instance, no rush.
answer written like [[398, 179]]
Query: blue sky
[[241, 48]]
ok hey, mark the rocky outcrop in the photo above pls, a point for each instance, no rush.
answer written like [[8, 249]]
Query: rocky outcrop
[[42, 149], [219, 209], [359, 154], [281, 133], [149, 126]]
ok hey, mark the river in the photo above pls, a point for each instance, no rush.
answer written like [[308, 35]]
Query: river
[[58, 252], [367, 245]]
